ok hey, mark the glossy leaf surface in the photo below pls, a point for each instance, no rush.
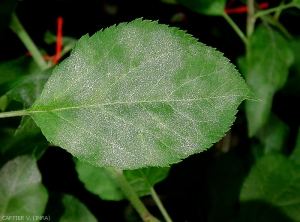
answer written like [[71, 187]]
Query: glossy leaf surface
[[139, 94], [21, 190], [274, 183]]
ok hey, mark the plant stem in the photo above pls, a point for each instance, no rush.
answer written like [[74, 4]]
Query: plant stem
[[120, 179], [236, 28], [250, 28], [17, 28], [278, 12], [250, 18], [275, 9], [160, 205], [14, 113]]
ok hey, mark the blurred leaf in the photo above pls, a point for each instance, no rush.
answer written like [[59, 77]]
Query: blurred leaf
[[12, 69], [266, 73], [173, 2], [26, 89], [28, 139], [143, 180], [207, 7], [3, 103], [139, 94], [51, 38], [75, 211], [273, 135], [292, 89], [275, 180], [21, 190], [295, 155], [98, 181], [297, 3]]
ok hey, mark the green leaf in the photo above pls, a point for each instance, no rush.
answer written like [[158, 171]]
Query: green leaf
[[75, 211], [26, 89], [21, 190], [296, 3], [172, 2], [28, 138], [295, 155], [143, 180], [12, 69], [139, 94], [274, 183], [273, 135], [266, 73], [207, 7], [98, 181]]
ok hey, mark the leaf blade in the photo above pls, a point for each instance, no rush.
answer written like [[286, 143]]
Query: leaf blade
[[21, 190], [149, 95]]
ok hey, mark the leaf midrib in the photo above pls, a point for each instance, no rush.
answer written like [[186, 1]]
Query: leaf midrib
[[31, 110]]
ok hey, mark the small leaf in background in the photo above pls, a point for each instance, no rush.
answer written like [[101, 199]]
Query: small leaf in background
[[28, 138], [291, 90], [207, 7], [295, 155], [139, 94], [12, 69], [269, 62], [297, 3], [26, 89], [67, 42], [273, 135], [173, 2], [98, 181], [271, 190], [143, 180], [75, 211], [21, 190]]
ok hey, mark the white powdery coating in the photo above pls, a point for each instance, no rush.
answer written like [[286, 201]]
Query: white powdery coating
[[140, 94]]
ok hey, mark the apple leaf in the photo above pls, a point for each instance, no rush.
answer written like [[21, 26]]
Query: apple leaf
[[21, 190], [271, 188], [139, 94]]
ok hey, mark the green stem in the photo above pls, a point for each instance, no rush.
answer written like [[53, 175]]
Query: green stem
[[236, 28], [275, 9], [120, 179], [278, 12], [160, 205], [17, 27], [14, 113], [250, 18], [250, 28]]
